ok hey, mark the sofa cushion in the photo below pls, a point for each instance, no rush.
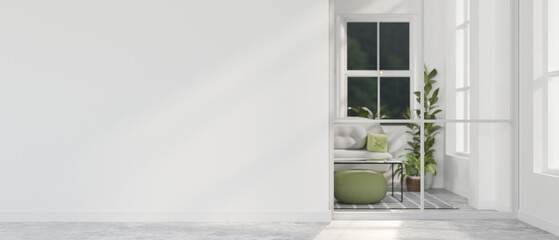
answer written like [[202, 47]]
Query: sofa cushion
[[377, 143], [348, 136], [360, 154]]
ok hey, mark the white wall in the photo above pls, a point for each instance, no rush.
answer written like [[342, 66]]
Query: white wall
[[164, 110], [483, 176], [491, 79], [538, 191], [434, 38]]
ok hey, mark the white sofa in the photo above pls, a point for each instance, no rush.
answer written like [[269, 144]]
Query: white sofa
[[350, 140]]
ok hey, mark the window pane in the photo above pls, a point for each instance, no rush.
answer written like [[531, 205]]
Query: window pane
[[394, 46], [362, 46], [460, 105], [394, 97], [462, 140], [553, 35], [462, 11], [362, 92], [553, 124], [462, 56]]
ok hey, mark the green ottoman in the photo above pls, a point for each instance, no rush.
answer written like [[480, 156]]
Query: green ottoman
[[359, 186]]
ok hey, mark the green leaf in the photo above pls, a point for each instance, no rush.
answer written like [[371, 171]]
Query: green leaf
[[417, 95], [433, 100], [431, 169], [428, 88], [435, 93], [432, 74], [434, 129], [362, 112]]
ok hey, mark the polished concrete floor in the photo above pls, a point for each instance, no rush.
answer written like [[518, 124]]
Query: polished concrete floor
[[338, 230], [159, 231], [432, 230]]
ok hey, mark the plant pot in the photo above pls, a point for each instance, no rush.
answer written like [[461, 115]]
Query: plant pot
[[413, 183]]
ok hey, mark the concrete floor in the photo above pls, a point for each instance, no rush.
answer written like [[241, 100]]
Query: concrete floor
[[339, 230], [432, 230], [159, 231]]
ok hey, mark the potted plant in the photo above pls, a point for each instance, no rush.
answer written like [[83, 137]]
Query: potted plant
[[412, 168], [413, 165]]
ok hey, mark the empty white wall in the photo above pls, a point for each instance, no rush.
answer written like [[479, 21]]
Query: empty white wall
[[164, 110], [491, 80]]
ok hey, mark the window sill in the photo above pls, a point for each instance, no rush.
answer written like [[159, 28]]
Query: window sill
[[547, 174], [368, 120], [459, 156]]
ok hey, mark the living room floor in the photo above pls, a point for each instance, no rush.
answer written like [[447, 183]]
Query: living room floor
[[432, 229], [339, 230]]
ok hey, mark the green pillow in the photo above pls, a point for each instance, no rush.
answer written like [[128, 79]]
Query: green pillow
[[377, 143]]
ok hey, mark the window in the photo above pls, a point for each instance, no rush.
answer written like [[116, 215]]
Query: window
[[462, 76], [551, 76], [545, 70], [374, 66]]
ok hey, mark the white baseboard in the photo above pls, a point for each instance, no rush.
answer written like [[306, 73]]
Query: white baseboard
[[484, 205], [322, 216], [502, 207], [539, 222]]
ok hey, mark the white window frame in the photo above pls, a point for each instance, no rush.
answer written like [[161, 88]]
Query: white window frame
[[465, 89], [341, 65]]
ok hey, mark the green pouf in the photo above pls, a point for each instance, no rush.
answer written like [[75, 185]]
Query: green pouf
[[359, 186]]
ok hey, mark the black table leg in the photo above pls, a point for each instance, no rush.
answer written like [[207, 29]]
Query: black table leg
[[402, 187], [392, 166]]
